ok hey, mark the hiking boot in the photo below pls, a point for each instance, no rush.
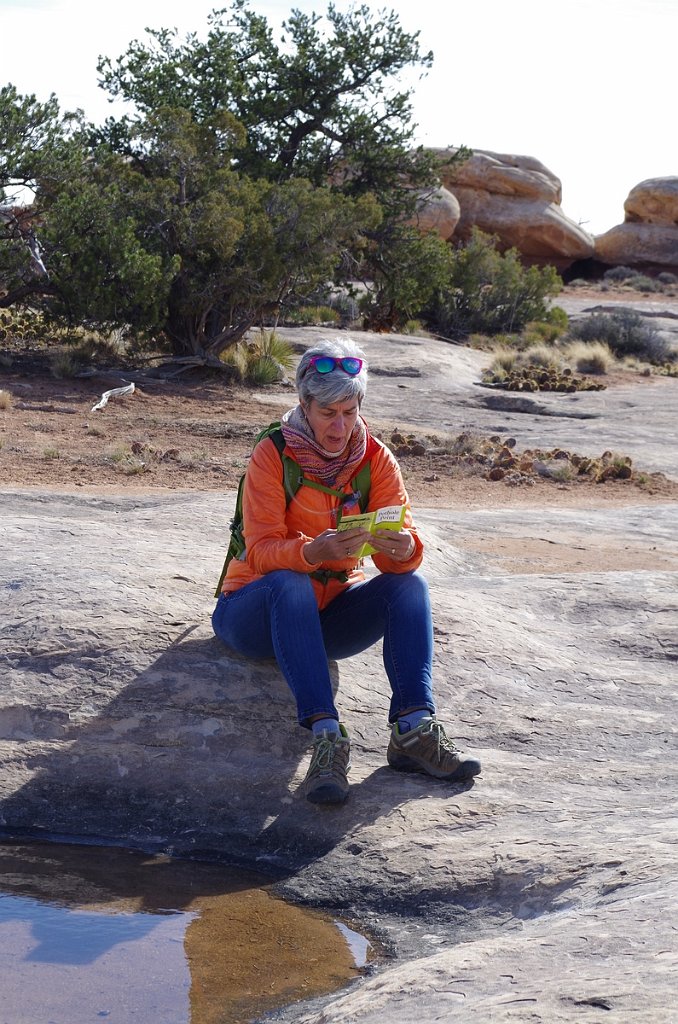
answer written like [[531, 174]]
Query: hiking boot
[[428, 749], [326, 781]]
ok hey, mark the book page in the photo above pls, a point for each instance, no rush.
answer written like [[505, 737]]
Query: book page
[[390, 517]]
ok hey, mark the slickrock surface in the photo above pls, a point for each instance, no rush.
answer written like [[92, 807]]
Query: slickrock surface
[[544, 891]]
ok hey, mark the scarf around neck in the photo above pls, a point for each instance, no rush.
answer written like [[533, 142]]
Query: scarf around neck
[[334, 469]]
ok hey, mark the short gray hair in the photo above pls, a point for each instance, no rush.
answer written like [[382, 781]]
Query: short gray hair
[[336, 386]]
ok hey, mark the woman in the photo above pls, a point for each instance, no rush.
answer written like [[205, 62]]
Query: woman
[[299, 593]]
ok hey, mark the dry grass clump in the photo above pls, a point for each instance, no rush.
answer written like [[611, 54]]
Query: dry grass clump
[[543, 356], [594, 357], [264, 359], [126, 461], [81, 349], [539, 368], [627, 334], [314, 316], [508, 361], [5, 401]]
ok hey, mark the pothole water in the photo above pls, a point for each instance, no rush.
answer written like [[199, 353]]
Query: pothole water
[[110, 936]]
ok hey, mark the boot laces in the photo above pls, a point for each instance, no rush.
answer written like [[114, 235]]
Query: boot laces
[[444, 745], [323, 755]]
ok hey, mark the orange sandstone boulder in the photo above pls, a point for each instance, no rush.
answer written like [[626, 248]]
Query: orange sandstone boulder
[[649, 235], [437, 211], [517, 199]]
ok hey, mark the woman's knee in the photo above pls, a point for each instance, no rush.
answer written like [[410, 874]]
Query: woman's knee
[[408, 586], [290, 585]]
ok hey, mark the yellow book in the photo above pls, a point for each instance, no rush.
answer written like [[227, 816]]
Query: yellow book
[[391, 517]]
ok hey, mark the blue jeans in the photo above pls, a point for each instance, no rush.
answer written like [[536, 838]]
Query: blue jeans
[[277, 616]]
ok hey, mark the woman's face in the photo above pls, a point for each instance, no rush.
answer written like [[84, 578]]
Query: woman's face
[[332, 424]]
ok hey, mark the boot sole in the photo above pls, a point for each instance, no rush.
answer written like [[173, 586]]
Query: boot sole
[[401, 763], [327, 794]]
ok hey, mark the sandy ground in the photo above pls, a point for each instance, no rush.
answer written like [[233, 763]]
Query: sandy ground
[[196, 434]]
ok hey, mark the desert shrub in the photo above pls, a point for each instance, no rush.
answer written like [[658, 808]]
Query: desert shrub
[[312, 315], [126, 461], [539, 355], [508, 362], [541, 334], [592, 357], [413, 327], [5, 400], [488, 343], [642, 283], [79, 349], [626, 333], [490, 292], [262, 360], [579, 282], [619, 274], [666, 277], [504, 361], [557, 317], [63, 364]]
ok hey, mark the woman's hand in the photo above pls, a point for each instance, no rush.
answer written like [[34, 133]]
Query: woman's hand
[[398, 546], [335, 546]]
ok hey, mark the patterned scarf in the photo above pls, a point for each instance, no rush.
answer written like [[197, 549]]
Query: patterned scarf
[[334, 469]]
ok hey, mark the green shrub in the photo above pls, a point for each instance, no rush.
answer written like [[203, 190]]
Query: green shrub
[[264, 359], [413, 327], [641, 283], [312, 315], [619, 273], [557, 317], [489, 292], [626, 334]]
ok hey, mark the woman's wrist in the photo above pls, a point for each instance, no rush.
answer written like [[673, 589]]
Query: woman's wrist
[[306, 552]]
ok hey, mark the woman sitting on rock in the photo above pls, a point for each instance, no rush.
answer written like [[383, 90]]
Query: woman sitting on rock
[[298, 593]]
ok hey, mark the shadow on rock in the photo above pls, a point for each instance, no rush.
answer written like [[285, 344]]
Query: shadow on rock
[[197, 754]]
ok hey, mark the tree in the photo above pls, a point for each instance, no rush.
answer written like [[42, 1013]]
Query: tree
[[35, 146], [406, 269], [175, 241], [247, 174], [320, 105]]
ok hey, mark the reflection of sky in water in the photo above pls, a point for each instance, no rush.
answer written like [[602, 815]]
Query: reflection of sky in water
[[360, 946], [63, 966]]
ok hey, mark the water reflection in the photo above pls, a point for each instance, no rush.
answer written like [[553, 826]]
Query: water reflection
[[88, 934]]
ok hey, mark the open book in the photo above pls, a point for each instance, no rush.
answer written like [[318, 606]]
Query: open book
[[391, 517]]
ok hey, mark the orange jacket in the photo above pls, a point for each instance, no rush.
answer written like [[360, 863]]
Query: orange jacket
[[275, 532]]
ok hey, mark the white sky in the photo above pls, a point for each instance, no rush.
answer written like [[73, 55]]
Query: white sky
[[586, 86]]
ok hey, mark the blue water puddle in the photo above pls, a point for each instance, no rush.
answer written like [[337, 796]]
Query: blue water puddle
[[89, 935], [63, 966]]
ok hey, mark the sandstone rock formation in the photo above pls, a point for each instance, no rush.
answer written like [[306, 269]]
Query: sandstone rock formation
[[517, 199], [648, 238], [437, 211]]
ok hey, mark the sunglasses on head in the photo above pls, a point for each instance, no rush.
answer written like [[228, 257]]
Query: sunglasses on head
[[325, 364]]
